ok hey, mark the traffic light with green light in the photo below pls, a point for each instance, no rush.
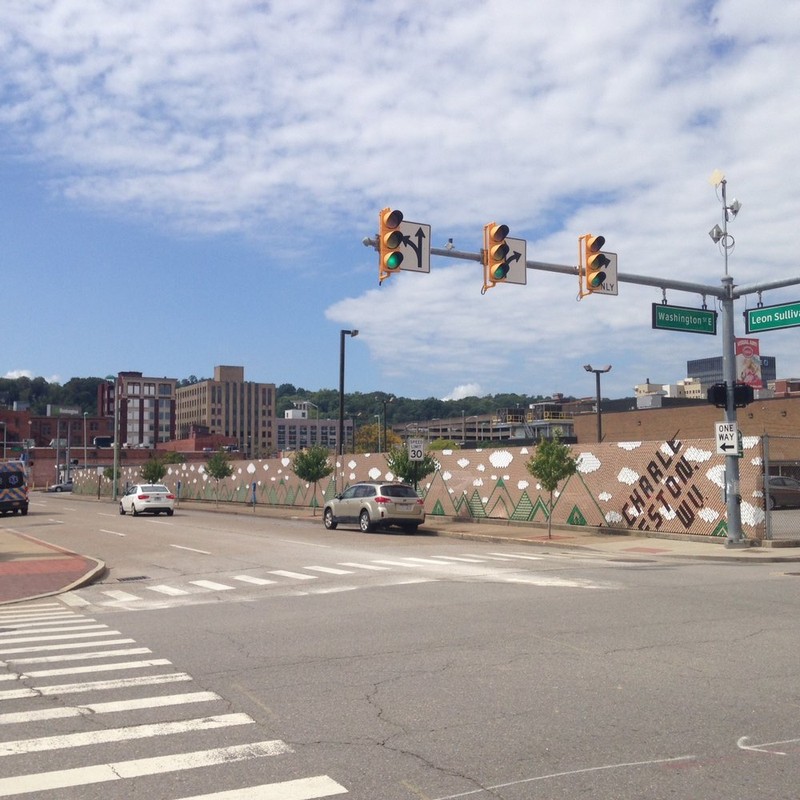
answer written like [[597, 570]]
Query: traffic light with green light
[[390, 240], [495, 254]]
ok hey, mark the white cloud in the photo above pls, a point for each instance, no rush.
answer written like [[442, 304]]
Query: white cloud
[[243, 117], [465, 390]]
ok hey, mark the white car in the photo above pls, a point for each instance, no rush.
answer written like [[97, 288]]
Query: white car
[[147, 498]]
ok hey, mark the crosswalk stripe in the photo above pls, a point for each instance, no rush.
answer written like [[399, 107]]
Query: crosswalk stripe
[[89, 709], [50, 648], [433, 561], [136, 768], [319, 786], [25, 639], [212, 585], [164, 589], [37, 624], [520, 555], [462, 558], [331, 570], [92, 686], [50, 673], [297, 575], [394, 563], [74, 600], [78, 627], [128, 651], [115, 594], [252, 579], [45, 743], [362, 566]]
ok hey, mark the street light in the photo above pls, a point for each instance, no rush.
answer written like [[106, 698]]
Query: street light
[[85, 414], [342, 334], [386, 400], [378, 426], [597, 373]]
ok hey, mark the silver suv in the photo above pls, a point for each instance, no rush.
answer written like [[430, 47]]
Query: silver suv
[[376, 504]]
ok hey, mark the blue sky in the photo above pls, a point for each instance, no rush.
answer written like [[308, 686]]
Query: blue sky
[[187, 184]]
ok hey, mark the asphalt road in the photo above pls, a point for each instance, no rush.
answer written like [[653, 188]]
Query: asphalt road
[[396, 667]]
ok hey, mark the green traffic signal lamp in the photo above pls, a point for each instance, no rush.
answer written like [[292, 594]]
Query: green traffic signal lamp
[[495, 254], [390, 240]]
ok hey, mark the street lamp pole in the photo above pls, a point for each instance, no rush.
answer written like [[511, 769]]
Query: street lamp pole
[[85, 414], [342, 334], [5, 437], [597, 373]]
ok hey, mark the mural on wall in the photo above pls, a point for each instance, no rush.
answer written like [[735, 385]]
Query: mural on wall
[[669, 486]]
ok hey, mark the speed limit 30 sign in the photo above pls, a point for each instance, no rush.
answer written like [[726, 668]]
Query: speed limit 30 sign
[[416, 449]]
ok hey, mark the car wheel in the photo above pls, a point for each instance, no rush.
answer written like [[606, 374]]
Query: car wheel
[[170, 512], [121, 509], [410, 527], [133, 510], [365, 522], [58, 489], [24, 511], [771, 503], [328, 520]]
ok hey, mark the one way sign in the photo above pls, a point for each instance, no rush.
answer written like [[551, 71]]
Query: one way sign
[[727, 438]]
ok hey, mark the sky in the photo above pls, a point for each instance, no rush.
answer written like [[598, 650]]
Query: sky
[[188, 184]]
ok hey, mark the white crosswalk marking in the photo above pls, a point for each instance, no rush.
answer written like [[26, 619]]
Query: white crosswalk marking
[[122, 596], [170, 590], [304, 789], [84, 733], [121, 770], [355, 564], [212, 585], [251, 579], [297, 575], [121, 734], [331, 570]]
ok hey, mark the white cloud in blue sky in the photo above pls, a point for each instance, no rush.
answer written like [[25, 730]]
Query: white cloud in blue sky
[[188, 183]]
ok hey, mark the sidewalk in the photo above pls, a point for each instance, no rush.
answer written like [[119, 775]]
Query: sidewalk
[[31, 568]]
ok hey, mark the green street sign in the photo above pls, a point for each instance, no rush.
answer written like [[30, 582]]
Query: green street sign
[[772, 318], [681, 318]]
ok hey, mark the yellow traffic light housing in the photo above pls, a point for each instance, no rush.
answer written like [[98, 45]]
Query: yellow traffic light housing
[[593, 263], [495, 254], [390, 240]]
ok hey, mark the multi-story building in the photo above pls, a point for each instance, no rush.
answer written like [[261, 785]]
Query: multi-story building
[[145, 408], [230, 406], [297, 430]]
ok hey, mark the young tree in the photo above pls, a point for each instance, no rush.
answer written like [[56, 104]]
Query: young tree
[[550, 464], [154, 470], [312, 465], [218, 467], [407, 470]]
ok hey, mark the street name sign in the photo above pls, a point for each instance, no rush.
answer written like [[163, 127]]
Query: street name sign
[[416, 449], [772, 318], [681, 318], [727, 438], [416, 246]]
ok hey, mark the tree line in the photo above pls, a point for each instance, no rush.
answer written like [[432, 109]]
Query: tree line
[[81, 393]]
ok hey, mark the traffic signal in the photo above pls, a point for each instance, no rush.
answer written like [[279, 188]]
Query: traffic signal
[[390, 239], [593, 262], [495, 254], [743, 395], [718, 395]]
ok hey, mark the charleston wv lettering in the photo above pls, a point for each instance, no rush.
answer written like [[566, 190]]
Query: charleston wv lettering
[[667, 486]]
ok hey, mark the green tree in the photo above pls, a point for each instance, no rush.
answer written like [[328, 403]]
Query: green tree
[[550, 464], [154, 470], [218, 467], [407, 470], [443, 444], [173, 457], [312, 465]]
